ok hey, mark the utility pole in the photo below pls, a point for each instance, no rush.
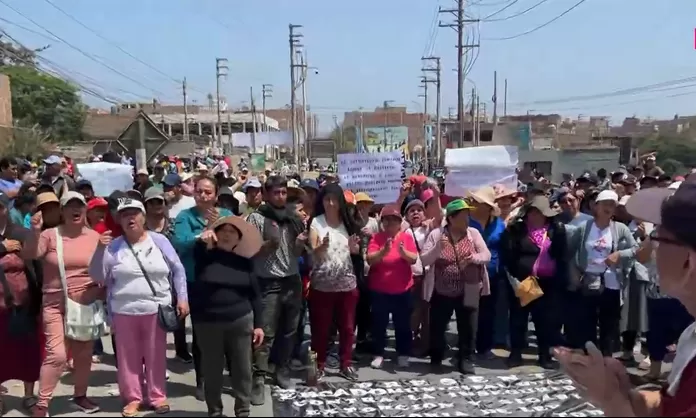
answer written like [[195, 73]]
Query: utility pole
[[478, 120], [505, 100], [186, 125], [267, 90], [458, 26], [438, 83], [386, 122], [221, 69], [495, 99], [295, 45], [473, 116], [253, 119]]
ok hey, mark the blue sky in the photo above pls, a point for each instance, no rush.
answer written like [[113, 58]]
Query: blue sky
[[369, 51]]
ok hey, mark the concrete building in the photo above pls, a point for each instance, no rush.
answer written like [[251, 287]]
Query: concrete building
[[411, 124]]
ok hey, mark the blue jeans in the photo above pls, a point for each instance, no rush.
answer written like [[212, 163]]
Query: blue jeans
[[667, 319], [400, 307]]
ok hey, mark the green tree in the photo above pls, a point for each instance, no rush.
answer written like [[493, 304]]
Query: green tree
[[40, 99], [675, 154]]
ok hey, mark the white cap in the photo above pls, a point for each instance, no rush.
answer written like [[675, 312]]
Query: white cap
[[675, 185], [128, 203], [72, 195], [624, 200], [607, 195]]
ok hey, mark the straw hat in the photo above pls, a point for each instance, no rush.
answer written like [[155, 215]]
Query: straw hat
[[487, 196], [250, 238], [46, 197], [502, 191]]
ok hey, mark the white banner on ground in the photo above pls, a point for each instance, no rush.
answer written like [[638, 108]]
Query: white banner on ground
[[472, 168], [107, 177], [378, 174]]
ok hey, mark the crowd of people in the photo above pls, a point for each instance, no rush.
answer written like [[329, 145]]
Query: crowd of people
[[252, 258]]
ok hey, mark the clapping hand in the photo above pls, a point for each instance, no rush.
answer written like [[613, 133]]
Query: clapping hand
[[388, 245], [106, 238], [212, 215], [354, 244], [37, 222], [602, 381], [209, 238], [12, 245]]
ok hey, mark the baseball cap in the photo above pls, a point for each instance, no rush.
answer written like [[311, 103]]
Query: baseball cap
[[390, 210], [70, 196], [83, 183], [363, 197], [127, 203], [309, 184], [172, 180], [153, 193], [252, 182], [414, 202], [114, 197], [4, 200], [53, 159], [97, 202], [455, 206], [605, 195], [225, 191]]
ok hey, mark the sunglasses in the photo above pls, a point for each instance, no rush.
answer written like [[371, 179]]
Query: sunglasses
[[654, 237]]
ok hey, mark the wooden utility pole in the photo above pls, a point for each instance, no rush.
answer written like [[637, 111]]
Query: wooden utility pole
[[505, 100], [186, 124], [253, 119], [495, 98], [458, 26]]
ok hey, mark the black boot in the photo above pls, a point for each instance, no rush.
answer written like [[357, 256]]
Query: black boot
[[283, 377], [258, 391]]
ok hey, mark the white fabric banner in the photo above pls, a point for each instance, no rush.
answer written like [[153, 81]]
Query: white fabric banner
[[378, 174], [107, 177], [469, 169]]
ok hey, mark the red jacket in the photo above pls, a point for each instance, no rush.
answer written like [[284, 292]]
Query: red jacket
[[109, 224]]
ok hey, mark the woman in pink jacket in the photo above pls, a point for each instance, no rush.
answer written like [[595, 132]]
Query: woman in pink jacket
[[455, 282]]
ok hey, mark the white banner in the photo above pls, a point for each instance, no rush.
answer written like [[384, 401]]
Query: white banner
[[378, 174], [472, 168], [107, 177]]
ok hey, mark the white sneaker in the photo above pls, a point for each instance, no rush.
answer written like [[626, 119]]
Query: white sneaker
[[403, 361], [645, 364], [377, 362], [166, 376]]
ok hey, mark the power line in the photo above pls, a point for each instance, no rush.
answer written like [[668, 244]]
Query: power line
[[576, 5], [87, 55], [504, 8], [615, 93], [430, 43], [112, 43], [518, 14]]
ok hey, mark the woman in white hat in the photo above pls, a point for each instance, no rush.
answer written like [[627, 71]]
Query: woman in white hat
[[226, 309], [144, 277]]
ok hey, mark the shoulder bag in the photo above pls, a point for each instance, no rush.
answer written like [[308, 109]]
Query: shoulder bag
[[82, 322], [529, 289], [21, 322], [166, 314]]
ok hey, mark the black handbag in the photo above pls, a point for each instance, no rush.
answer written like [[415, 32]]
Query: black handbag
[[166, 314], [21, 322]]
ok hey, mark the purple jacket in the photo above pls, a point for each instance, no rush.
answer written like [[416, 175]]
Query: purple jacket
[[103, 261]]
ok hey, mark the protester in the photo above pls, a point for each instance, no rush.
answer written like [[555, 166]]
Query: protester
[[227, 309], [173, 194], [484, 217], [54, 176], [253, 195], [420, 319], [65, 252], [570, 205], [601, 251], [456, 280], [277, 268], [536, 246], [21, 345], [390, 254], [139, 270], [189, 224], [334, 294]]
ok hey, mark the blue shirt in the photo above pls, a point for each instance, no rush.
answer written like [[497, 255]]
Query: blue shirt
[[580, 219], [6, 185], [188, 225], [491, 234]]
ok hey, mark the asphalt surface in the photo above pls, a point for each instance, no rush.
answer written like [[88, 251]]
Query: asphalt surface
[[181, 385]]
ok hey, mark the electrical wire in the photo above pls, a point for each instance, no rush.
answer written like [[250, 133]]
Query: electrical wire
[[430, 43], [615, 93], [114, 44], [504, 8], [507, 38], [518, 14], [81, 51]]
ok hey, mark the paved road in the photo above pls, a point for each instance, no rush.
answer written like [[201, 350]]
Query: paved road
[[104, 390]]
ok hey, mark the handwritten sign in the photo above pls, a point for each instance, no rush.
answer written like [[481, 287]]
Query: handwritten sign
[[107, 177], [377, 174], [472, 168]]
